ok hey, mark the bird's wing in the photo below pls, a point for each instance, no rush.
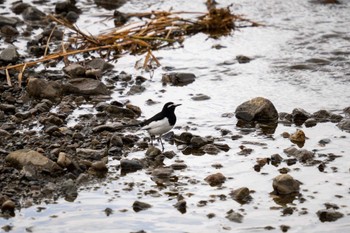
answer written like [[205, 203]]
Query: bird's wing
[[156, 117]]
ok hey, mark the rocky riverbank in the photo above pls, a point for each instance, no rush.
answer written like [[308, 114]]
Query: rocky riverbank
[[47, 154]]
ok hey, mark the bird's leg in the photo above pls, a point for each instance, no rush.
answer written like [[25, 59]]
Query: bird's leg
[[160, 139], [152, 138]]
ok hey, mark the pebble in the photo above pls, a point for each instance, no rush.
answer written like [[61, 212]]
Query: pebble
[[329, 215], [9, 54], [200, 97], [257, 109], [300, 116], [210, 149], [63, 160], [234, 216], [8, 206], [178, 79], [128, 165], [181, 206], [298, 137], [139, 206], [285, 184], [216, 179], [241, 195]]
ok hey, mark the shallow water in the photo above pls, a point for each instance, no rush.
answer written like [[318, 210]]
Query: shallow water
[[294, 32]]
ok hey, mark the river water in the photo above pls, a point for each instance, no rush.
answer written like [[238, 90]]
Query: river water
[[300, 58]]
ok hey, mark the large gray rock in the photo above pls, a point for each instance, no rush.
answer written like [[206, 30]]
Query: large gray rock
[[39, 88], [32, 14], [26, 157], [178, 79], [91, 154], [329, 215], [257, 109], [100, 64], [8, 21], [300, 116], [9, 54], [120, 112], [74, 70], [344, 124], [86, 86], [285, 184]]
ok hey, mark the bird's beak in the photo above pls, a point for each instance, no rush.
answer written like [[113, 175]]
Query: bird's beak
[[176, 105]]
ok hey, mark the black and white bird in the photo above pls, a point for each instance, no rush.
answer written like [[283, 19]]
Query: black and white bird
[[161, 123]]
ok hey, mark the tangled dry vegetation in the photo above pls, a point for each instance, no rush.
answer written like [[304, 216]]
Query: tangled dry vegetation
[[154, 30]]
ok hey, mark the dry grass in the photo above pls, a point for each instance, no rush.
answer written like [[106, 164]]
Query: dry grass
[[154, 31]]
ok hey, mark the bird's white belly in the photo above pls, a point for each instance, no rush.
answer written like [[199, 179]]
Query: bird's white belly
[[158, 127]]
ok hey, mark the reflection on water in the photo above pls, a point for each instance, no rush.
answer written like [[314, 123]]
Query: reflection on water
[[299, 59]]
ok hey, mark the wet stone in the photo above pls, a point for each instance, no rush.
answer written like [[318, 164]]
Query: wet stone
[[24, 157], [285, 117], [39, 88], [110, 5], [139, 206], [116, 140], [136, 89], [91, 154], [329, 215], [86, 86], [63, 160], [321, 115], [257, 109], [285, 184], [134, 108], [234, 216], [298, 137], [120, 112], [108, 211], [181, 206], [241, 195], [100, 64], [8, 206], [324, 141], [99, 167], [184, 137], [304, 155], [128, 165], [70, 190], [10, 21], [300, 116], [216, 179], [276, 159], [210, 149], [9, 54], [153, 152], [200, 97], [178, 79], [344, 124], [32, 14], [107, 127], [9, 31], [8, 108], [74, 70], [4, 134], [311, 122], [65, 7], [197, 141], [162, 172], [178, 166], [284, 228], [242, 59]]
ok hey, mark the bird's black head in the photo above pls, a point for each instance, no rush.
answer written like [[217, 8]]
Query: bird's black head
[[170, 106]]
